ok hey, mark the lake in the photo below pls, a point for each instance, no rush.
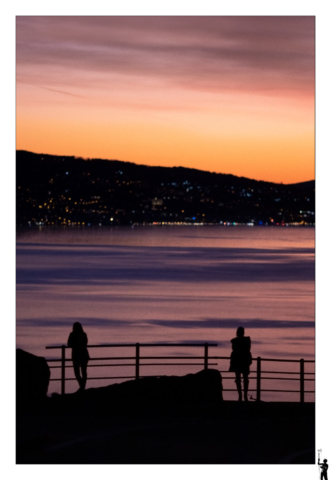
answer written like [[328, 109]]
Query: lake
[[172, 284]]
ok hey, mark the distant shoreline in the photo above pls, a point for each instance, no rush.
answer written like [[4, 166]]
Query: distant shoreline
[[161, 224]]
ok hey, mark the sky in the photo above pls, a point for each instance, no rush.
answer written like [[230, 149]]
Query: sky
[[219, 93]]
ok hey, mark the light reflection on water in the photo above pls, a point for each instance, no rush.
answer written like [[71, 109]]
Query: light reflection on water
[[179, 284]]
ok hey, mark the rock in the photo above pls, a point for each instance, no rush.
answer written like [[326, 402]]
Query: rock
[[205, 385], [32, 377], [149, 392]]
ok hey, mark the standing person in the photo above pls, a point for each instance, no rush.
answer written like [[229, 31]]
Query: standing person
[[324, 469], [78, 342], [240, 361]]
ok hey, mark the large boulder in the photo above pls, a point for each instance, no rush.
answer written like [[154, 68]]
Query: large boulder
[[32, 377]]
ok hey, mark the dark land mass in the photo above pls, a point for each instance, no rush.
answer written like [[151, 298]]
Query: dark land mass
[[57, 190], [163, 420]]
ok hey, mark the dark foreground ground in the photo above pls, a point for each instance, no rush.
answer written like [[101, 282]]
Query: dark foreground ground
[[74, 430]]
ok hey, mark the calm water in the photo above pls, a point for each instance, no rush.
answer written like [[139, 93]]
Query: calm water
[[168, 284]]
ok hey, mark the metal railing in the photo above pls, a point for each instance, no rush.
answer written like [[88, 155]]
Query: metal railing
[[204, 360], [300, 374]]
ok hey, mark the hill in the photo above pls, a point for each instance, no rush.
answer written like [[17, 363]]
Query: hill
[[60, 190]]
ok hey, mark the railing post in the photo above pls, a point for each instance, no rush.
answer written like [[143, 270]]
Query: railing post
[[137, 361], [258, 379], [63, 369], [206, 356], [302, 380]]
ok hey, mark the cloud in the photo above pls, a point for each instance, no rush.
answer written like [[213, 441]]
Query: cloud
[[86, 321], [219, 323], [217, 53], [58, 91]]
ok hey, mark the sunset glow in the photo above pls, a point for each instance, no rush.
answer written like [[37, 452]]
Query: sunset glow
[[224, 94]]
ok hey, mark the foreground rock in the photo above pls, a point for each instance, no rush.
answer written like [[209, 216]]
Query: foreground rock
[[149, 392], [164, 420], [32, 378], [182, 433]]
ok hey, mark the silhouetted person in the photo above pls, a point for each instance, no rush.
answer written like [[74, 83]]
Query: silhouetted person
[[78, 342], [241, 359], [324, 469]]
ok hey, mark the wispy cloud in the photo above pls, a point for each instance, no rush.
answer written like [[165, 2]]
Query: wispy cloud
[[246, 53], [61, 322], [219, 323], [53, 90]]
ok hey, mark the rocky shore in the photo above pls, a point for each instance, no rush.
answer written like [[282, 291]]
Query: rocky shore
[[163, 420]]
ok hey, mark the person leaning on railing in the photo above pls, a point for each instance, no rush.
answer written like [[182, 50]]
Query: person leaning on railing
[[78, 342], [240, 360]]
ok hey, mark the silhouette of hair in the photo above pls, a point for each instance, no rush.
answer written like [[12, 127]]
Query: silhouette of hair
[[240, 331], [77, 327]]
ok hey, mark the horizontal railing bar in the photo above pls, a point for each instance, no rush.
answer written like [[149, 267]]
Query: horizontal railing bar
[[54, 367], [96, 358], [100, 358], [173, 357], [289, 373], [193, 357], [287, 391], [183, 364], [264, 359], [133, 358], [90, 378], [272, 378], [197, 364], [285, 378], [254, 371], [133, 364], [283, 360], [126, 345], [101, 365], [283, 373], [233, 378]]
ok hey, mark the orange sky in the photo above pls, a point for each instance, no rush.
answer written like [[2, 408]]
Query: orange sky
[[225, 94]]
